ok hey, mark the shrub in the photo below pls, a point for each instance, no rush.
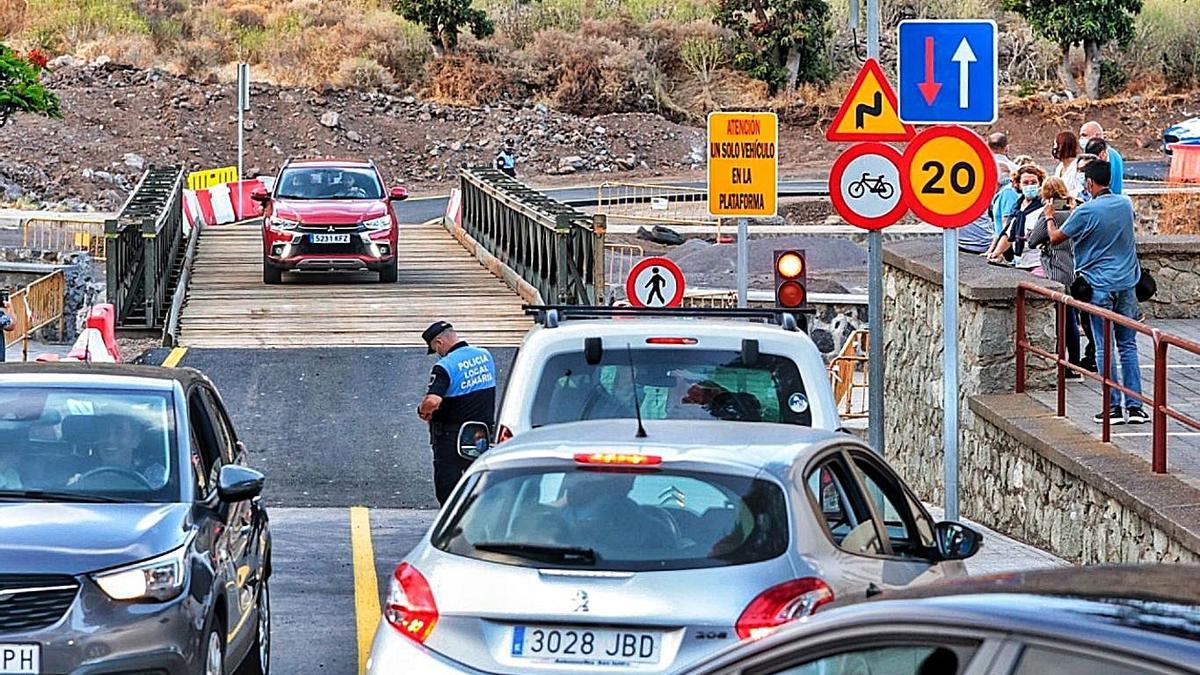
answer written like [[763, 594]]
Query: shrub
[[1166, 42], [589, 72], [76, 21], [467, 80], [362, 72]]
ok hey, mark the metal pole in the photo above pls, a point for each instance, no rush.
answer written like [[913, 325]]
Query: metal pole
[[743, 257], [243, 86], [950, 367], [875, 419]]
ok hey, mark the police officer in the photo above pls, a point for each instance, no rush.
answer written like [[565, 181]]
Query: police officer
[[462, 388], [506, 160]]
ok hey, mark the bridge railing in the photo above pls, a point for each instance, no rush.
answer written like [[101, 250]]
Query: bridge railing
[[142, 245], [555, 248], [1161, 411]]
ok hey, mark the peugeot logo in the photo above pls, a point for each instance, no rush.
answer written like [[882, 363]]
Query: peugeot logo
[[581, 601]]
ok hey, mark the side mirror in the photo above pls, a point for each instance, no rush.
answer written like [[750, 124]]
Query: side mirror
[[238, 484], [398, 194], [260, 195], [956, 541], [473, 440]]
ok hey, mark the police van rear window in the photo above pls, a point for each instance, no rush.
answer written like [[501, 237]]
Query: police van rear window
[[685, 383], [614, 520]]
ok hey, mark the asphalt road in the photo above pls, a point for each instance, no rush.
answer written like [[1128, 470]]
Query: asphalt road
[[331, 427]]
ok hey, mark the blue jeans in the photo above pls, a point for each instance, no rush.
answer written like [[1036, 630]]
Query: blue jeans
[[1123, 303]]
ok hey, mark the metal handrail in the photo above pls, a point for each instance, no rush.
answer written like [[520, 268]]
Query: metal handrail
[[1161, 341], [553, 247], [143, 242], [171, 325]]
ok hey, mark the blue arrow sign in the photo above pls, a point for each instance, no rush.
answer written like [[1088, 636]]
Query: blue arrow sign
[[948, 72]]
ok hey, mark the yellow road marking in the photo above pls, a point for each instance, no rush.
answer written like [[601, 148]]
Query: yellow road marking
[[174, 357], [366, 583]]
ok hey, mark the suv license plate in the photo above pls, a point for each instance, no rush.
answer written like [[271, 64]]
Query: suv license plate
[[600, 647], [329, 238], [20, 659]]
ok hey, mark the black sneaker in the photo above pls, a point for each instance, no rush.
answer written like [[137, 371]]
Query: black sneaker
[[1115, 416], [1073, 376], [1137, 416]]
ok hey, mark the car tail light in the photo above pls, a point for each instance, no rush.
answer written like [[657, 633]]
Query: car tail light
[[617, 459], [780, 604], [503, 434], [410, 606], [670, 341]]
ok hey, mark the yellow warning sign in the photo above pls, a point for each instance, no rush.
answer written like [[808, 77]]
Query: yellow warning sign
[[869, 112], [743, 159], [206, 178]]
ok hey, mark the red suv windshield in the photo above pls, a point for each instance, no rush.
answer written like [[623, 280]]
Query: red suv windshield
[[329, 183]]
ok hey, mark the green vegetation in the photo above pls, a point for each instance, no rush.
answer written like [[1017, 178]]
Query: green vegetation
[[1092, 23], [20, 89], [444, 19], [781, 42]]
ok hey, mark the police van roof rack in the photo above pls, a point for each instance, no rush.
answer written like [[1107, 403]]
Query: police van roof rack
[[551, 315]]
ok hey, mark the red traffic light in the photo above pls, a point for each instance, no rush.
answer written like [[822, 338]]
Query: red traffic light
[[791, 279]]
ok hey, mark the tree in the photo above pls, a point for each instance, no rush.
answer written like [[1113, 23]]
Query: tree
[[781, 42], [1092, 23], [20, 90], [443, 19]]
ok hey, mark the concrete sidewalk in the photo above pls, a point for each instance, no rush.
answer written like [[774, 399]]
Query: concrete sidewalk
[[1002, 554]]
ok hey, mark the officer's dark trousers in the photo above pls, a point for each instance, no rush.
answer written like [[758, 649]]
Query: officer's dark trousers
[[448, 465]]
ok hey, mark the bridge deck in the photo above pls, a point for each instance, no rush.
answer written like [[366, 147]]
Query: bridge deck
[[229, 306]]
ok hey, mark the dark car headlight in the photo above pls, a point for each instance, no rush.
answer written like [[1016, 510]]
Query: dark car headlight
[[160, 578]]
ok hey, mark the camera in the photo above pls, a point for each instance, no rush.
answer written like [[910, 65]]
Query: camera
[[1060, 204]]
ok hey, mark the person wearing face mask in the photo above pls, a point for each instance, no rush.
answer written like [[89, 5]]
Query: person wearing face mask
[[1092, 130], [1006, 198], [1058, 260], [1011, 246]]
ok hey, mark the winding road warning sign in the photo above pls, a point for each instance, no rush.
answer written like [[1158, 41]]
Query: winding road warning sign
[[869, 111], [655, 282]]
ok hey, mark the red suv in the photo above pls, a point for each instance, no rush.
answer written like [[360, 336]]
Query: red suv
[[329, 215]]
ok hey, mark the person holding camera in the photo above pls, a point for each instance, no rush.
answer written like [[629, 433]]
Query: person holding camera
[[7, 322], [1058, 260]]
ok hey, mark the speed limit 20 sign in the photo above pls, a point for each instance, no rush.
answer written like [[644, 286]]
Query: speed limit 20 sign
[[949, 176]]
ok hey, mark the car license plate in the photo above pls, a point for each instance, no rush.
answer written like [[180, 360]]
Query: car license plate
[[20, 659], [601, 647], [329, 238]]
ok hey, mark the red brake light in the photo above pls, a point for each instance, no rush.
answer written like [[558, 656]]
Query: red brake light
[[503, 434], [617, 459], [670, 341], [780, 604], [410, 607]]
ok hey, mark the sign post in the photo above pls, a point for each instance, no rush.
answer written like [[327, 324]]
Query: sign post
[[243, 104], [949, 180], [743, 175]]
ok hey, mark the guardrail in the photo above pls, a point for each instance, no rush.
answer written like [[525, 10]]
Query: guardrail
[[143, 244], [65, 232], [34, 307], [171, 325], [1160, 411], [553, 247]]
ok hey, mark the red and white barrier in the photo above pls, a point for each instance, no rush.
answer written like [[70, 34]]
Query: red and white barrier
[[98, 341], [221, 205], [454, 208]]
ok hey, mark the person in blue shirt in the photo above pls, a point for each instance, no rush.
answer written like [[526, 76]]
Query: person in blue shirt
[[1106, 257], [7, 323], [1091, 131], [506, 160]]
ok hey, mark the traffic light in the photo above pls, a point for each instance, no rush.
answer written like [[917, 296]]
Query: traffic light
[[791, 279]]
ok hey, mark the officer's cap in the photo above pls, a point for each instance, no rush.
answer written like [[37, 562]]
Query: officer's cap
[[435, 329]]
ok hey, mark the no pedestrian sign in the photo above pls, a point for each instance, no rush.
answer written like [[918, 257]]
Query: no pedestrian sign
[[655, 282], [743, 154]]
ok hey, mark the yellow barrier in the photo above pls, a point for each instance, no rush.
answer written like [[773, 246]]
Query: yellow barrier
[[619, 260], [34, 307], [206, 178], [65, 233]]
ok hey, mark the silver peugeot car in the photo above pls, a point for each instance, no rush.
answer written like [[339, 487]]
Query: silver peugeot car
[[588, 547]]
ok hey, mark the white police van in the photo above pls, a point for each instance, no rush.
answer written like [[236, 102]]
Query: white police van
[[590, 363]]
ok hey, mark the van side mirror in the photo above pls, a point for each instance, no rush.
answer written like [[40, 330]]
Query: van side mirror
[[398, 194], [956, 541], [260, 195], [473, 440], [238, 483]]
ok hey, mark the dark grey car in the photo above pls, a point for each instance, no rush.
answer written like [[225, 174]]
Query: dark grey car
[[132, 539], [1120, 620]]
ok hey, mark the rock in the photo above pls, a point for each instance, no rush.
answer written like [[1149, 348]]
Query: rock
[[599, 131], [64, 61], [425, 117], [101, 61], [541, 109], [408, 100], [331, 119], [134, 161], [456, 146], [628, 162], [574, 162], [249, 125], [354, 137]]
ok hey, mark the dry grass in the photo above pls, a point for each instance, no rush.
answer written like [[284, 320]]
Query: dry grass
[[1178, 213]]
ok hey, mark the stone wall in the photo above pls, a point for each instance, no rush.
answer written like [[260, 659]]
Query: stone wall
[[1174, 260], [1018, 482]]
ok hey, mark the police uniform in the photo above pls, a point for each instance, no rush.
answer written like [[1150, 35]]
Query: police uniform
[[507, 162], [465, 378]]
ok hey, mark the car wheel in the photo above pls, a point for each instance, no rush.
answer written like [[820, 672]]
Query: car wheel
[[214, 651], [271, 275], [389, 274], [258, 661]]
